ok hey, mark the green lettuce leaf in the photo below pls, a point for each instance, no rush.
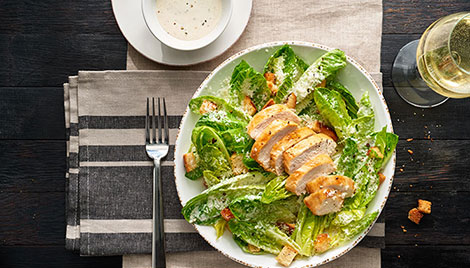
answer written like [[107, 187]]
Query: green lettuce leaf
[[345, 217], [263, 235], [210, 178], [244, 246], [204, 135], [196, 103], [365, 121], [250, 208], [219, 227], [220, 120], [333, 109], [246, 81], [275, 190], [236, 140], [347, 162], [205, 208], [324, 67], [356, 227], [307, 228], [287, 68], [386, 142], [348, 98]]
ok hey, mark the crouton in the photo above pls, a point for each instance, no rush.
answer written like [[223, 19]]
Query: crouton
[[319, 127], [375, 152], [253, 248], [414, 215], [249, 106], [291, 101], [270, 77], [381, 177], [269, 103], [227, 214], [322, 84], [237, 164], [322, 243], [286, 256], [272, 87], [207, 106], [424, 206], [189, 160]]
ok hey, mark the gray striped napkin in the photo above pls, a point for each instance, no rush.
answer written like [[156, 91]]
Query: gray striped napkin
[[109, 181]]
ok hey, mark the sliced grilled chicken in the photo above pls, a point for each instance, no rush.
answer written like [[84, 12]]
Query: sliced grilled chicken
[[284, 144], [274, 112], [261, 149], [324, 202], [320, 165], [343, 184], [307, 149]]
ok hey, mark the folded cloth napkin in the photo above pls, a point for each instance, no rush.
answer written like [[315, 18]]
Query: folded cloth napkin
[[113, 208]]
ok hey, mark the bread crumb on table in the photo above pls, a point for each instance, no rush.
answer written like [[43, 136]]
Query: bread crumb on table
[[414, 215], [424, 206]]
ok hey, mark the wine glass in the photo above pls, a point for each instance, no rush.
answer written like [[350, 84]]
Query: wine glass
[[428, 71]]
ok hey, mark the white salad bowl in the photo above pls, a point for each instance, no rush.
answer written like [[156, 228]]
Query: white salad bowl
[[149, 10], [353, 76]]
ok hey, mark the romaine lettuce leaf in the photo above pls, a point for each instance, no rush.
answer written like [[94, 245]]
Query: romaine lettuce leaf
[[236, 140], [347, 162], [356, 227], [204, 135], [307, 227], [348, 98], [387, 143], [248, 82], [263, 235], [287, 68], [244, 246], [333, 109], [365, 121], [275, 190], [196, 103], [345, 217], [250, 208], [324, 67], [210, 178], [220, 120], [205, 208], [219, 227]]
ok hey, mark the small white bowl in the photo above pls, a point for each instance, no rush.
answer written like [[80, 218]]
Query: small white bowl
[[149, 10]]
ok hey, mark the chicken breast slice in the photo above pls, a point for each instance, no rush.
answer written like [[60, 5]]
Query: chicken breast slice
[[320, 165], [266, 116], [303, 151], [284, 144], [261, 150], [344, 185], [324, 202]]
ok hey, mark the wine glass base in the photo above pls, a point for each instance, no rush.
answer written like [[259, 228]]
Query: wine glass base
[[407, 80]]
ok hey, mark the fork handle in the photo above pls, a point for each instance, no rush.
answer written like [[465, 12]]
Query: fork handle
[[158, 235]]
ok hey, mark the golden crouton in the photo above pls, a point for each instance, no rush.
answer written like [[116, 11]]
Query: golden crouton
[[319, 127], [253, 248], [207, 106], [376, 153], [237, 164], [322, 84], [291, 101], [381, 177], [414, 215], [322, 243], [270, 77], [249, 106], [189, 161], [424, 206], [269, 103], [286, 256], [272, 87]]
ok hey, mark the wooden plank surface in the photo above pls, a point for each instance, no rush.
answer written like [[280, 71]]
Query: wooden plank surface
[[42, 42]]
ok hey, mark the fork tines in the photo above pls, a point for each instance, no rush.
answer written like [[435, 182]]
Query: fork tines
[[163, 135]]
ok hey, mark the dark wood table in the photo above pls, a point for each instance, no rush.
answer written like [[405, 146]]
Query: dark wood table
[[42, 42]]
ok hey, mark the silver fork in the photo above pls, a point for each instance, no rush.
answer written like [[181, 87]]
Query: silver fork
[[157, 148]]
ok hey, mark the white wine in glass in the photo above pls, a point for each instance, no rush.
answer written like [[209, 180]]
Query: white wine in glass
[[437, 66]]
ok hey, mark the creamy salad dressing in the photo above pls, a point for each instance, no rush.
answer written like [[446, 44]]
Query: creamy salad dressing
[[189, 19]]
